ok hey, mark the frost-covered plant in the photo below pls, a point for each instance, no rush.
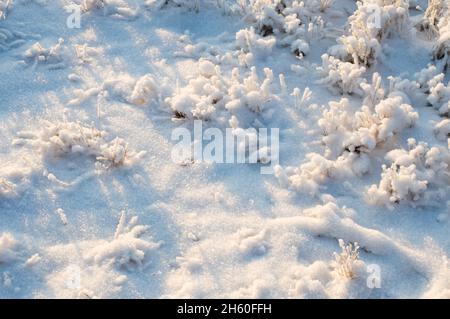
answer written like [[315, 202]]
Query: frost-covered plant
[[439, 96], [398, 183], [215, 96], [345, 261], [342, 77], [318, 169], [414, 176], [436, 10], [370, 24], [127, 249], [442, 48], [189, 4], [115, 8], [374, 92], [436, 22], [442, 129], [63, 139], [347, 129], [350, 136], [52, 57], [8, 248], [252, 43], [294, 23]]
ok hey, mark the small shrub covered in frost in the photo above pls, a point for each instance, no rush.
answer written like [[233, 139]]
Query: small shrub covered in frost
[[439, 96], [442, 129], [189, 4], [52, 57], [115, 8], [59, 140], [366, 31], [436, 22], [250, 42], [214, 96], [127, 250], [350, 136], [342, 77], [346, 261], [8, 246], [417, 176], [346, 129], [295, 23], [317, 170]]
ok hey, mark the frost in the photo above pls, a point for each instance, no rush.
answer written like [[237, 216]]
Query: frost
[[342, 77], [442, 129], [100, 268], [115, 8], [369, 26], [220, 97], [417, 176], [127, 250], [71, 138], [250, 42], [346, 129], [346, 260], [439, 96], [51, 57]]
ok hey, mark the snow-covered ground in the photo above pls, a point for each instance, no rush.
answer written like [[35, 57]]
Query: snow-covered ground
[[93, 206]]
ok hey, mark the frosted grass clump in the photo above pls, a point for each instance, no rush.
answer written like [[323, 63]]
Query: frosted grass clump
[[71, 138], [127, 249], [362, 45], [342, 77], [212, 95], [115, 8], [345, 262], [416, 176], [52, 57]]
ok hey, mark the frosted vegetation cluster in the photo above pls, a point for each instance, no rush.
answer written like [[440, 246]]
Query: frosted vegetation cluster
[[121, 9], [436, 24], [420, 174], [232, 99], [371, 23], [70, 138]]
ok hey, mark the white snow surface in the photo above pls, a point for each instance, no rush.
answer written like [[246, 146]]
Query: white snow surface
[[92, 206]]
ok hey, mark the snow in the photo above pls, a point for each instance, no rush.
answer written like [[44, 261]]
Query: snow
[[92, 205]]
